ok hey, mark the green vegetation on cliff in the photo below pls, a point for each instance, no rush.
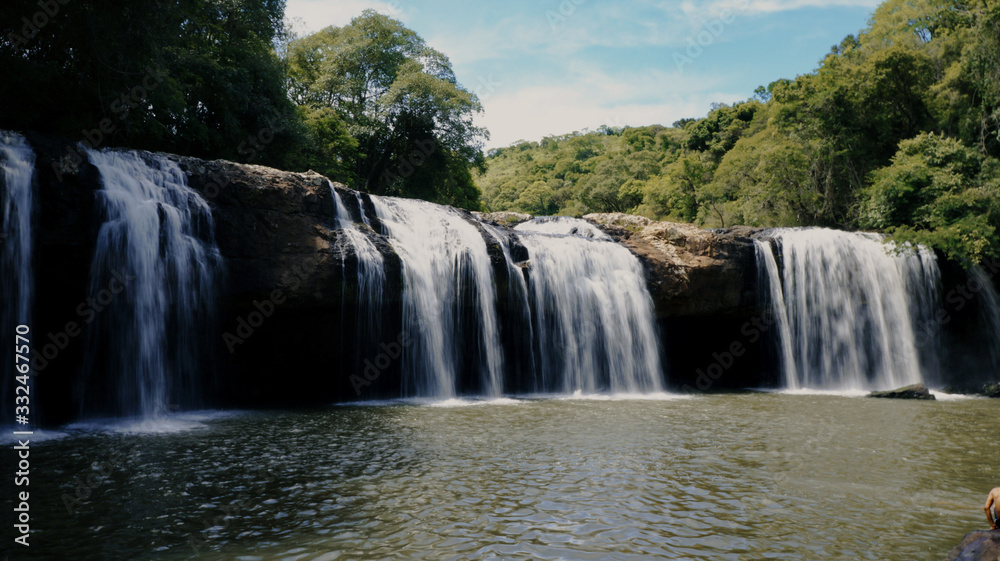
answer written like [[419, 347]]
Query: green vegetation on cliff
[[898, 129]]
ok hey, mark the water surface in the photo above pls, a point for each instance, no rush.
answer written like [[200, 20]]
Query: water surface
[[735, 477]]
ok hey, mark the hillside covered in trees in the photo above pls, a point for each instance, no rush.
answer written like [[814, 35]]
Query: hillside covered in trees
[[897, 130]]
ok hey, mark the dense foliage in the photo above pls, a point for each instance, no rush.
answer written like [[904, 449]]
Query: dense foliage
[[185, 76], [408, 122], [898, 129], [369, 104]]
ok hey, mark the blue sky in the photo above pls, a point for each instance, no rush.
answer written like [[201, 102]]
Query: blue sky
[[548, 67]]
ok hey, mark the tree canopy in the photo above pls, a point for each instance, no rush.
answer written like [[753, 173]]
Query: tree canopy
[[898, 129], [399, 101], [192, 77], [368, 104]]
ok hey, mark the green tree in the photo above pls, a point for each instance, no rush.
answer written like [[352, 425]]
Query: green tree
[[538, 198], [937, 192], [400, 100], [674, 194], [769, 176], [194, 77]]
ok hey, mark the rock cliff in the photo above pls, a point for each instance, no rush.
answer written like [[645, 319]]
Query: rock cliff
[[277, 234]]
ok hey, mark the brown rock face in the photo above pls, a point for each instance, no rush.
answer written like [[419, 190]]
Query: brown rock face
[[690, 271], [276, 230]]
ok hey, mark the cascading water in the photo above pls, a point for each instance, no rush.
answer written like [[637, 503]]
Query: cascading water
[[922, 283], [17, 167], [366, 305], [361, 210], [768, 275], [593, 313], [153, 278], [850, 304], [371, 264], [446, 270], [522, 356]]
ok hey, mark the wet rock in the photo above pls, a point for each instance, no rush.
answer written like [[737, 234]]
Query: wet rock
[[690, 271], [977, 546], [991, 389], [916, 391]]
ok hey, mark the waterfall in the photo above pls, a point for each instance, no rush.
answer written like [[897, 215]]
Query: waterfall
[[361, 210], [446, 272], [847, 306], [769, 276], [17, 164], [365, 309], [922, 284], [17, 167], [371, 264], [593, 314], [522, 355], [152, 282], [563, 226]]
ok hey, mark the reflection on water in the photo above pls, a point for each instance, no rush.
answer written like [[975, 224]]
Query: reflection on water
[[739, 477]]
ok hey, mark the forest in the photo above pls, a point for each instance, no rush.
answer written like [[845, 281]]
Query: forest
[[897, 130]]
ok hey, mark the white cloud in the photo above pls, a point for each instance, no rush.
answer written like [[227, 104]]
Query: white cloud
[[772, 6], [596, 99], [309, 16]]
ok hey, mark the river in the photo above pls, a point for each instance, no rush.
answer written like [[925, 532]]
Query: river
[[722, 477]]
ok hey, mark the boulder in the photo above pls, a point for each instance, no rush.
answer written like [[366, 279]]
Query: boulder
[[991, 389], [977, 546], [916, 391]]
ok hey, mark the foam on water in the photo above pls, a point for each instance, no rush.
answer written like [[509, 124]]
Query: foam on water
[[165, 424], [431, 402], [448, 403], [654, 396], [942, 396], [834, 393], [7, 435]]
